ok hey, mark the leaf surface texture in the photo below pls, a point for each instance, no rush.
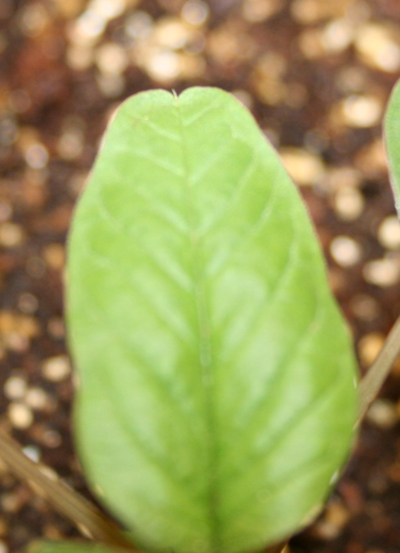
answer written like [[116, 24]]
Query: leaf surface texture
[[217, 396]]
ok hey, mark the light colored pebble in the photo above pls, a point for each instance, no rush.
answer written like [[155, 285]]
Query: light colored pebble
[[108, 10], [372, 160], [139, 25], [54, 256], [36, 398], [337, 36], [349, 203], [382, 272], [231, 43], [11, 235], [111, 86], [37, 156], [306, 11], [33, 19], [337, 280], [361, 111], [111, 58], [267, 78], [191, 67], [382, 413], [10, 502], [377, 48], [69, 8], [16, 342], [345, 251], [15, 387], [56, 368], [195, 12], [70, 144], [170, 33], [20, 325], [87, 29], [163, 66], [20, 415], [357, 12], [79, 57], [256, 11], [304, 167], [335, 517], [369, 346], [32, 452], [344, 177], [389, 233]]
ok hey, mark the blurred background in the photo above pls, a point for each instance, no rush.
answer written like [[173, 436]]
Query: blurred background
[[316, 74]]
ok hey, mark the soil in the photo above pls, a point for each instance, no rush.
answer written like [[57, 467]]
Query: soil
[[316, 75]]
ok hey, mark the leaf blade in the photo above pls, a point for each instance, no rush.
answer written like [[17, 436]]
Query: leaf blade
[[391, 129], [220, 263], [70, 547]]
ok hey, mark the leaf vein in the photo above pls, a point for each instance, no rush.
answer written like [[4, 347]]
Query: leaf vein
[[179, 282], [292, 423], [197, 116]]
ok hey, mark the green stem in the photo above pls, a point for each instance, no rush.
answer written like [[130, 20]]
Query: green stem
[[379, 370]]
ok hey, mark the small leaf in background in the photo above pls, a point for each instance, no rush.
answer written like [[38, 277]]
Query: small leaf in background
[[69, 547], [217, 397], [392, 141]]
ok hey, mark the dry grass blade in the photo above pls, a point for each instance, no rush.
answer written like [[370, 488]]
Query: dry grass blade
[[84, 514], [378, 372]]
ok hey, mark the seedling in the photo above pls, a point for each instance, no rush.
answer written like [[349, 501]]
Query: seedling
[[217, 398], [218, 387]]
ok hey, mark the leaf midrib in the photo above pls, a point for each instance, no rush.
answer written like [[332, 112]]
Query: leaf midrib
[[205, 356]]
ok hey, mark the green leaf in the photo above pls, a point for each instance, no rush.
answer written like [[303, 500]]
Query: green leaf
[[217, 381], [392, 141], [70, 547]]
